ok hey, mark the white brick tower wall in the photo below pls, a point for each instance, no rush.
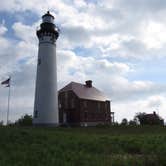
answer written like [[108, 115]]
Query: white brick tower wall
[[46, 96]]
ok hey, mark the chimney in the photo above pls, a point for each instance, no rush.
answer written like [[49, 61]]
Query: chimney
[[88, 83]]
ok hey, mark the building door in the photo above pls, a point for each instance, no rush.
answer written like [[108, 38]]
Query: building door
[[64, 117]]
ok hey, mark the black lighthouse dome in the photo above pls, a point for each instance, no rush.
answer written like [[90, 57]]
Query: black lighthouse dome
[[47, 26], [48, 17]]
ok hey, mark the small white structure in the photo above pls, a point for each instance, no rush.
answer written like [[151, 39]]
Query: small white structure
[[46, 96]]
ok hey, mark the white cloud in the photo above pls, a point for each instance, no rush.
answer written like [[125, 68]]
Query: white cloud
[[24, 32], [121, 31], [3, 29], [80, 3], [109, 77], [149, 105], [153, 34]]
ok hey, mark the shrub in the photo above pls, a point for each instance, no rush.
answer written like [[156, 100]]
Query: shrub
[[25, 120]]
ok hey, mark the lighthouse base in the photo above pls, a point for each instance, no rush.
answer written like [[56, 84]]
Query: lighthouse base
[[45, 124]]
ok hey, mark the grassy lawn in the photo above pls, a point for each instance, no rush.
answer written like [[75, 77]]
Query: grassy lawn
[[113, 146]]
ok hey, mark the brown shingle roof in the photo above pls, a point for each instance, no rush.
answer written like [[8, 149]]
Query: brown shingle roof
[[84, 92], [153, 116]]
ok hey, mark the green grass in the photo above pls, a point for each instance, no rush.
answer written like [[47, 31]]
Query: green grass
[[113, 146]]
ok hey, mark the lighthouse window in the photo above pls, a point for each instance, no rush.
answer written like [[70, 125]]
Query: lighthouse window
[[36, 114], [39, 61], [52, 39]]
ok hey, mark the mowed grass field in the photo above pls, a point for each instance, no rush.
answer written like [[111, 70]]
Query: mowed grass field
[[95, 146]]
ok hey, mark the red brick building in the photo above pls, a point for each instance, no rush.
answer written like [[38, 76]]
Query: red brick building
[[83, 104], [153, 119]]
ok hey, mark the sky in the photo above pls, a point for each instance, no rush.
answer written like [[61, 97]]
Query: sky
[[118, 44]]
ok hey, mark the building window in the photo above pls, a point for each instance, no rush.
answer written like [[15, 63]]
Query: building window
[[60, 106], [72, 103], [85, 116], [85, 104], [36, 114], [66, 100], [105, 104], [98, 106]]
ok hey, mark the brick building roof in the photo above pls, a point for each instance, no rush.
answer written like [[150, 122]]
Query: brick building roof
[[153, 116], [84, 91]]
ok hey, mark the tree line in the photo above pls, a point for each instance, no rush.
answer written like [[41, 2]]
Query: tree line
[[142, 118], [139, 119]]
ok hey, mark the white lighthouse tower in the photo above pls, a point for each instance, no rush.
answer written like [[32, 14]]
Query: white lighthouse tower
[[46, 97]]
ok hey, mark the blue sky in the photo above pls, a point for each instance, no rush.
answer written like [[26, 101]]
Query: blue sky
[[119, 44]]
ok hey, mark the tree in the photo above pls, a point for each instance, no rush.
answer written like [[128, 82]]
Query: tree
[[140, 117], [124, 122], [132, 123], [1, 123], [116, 123], [25, 120]]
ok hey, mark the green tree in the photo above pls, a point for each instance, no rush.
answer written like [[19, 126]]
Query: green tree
[[25, 120], [132, 123], [140, 117], [1, 123], [124, 122]]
